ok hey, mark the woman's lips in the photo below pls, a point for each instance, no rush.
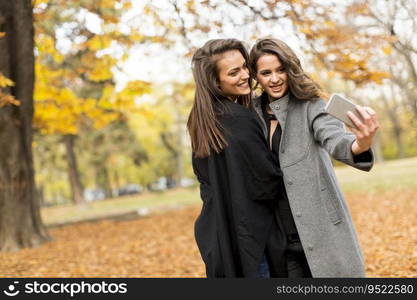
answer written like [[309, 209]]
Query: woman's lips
[[276, 88]]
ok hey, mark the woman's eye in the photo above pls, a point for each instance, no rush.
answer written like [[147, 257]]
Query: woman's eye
[[265, 73]]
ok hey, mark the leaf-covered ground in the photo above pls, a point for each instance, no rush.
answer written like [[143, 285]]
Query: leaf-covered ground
[[163, 245]]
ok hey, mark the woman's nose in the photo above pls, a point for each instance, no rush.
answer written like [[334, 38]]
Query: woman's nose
[[274, 77], [245, 74]]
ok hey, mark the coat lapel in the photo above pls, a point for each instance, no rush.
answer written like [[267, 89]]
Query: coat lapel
[[279, 109], [257, 107]]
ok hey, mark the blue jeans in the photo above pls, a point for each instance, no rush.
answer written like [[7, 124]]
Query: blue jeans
[[263, 269]]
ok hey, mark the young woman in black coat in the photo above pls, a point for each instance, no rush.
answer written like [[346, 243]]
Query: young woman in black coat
[[239, 181]]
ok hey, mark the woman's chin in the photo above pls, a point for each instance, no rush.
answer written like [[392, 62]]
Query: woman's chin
[[276, 95], [244, 92]]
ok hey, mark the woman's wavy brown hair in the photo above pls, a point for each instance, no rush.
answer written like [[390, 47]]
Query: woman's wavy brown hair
[[301, 85], [203, 125]]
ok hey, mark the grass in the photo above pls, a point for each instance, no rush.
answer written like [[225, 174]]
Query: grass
[[394, 176], [121, 205]]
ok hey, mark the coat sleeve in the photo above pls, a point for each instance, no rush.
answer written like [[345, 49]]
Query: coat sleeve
[[330, 133]]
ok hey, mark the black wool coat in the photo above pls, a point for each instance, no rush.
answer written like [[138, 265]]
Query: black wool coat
[[239, 188]]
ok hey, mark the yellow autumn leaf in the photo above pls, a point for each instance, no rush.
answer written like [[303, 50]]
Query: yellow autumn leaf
[[387, 50], [107, 4], [5, 82], [88, 105], [66, 96], [45, 44], [331, 74], [137, 88], [99, 42], [136, 37], [101, 68], [110, 18], [6, 99], [105, 119], [191, 6], [377, 77], [330, 24], [127, 5], [40, 2], [107, 96], [158, 39], [306, 30], [99, 74]]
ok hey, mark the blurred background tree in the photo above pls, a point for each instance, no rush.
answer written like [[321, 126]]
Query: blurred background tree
[[20, 223], [364, 49], [114, 87], [75, 88]]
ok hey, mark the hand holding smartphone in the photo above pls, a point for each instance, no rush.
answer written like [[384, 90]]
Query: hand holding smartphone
[[338, 106]]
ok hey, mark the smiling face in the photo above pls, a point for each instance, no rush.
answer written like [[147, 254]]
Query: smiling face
[[233, 74], [272, 76]]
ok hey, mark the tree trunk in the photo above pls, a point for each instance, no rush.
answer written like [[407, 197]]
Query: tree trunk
[[379, 156], [103, 180], [397, 132], [41, 195], [20, 221], [107, 183], [174, 154], [177, 145], [392, 111], [410, 91], [116, 185], [73, 174], [179, 174]]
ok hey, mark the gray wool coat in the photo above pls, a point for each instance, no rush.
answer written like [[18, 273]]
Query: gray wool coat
[[309, 137]]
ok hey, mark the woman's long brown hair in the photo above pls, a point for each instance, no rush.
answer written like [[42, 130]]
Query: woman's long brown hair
[[203, 125], [301, 85]]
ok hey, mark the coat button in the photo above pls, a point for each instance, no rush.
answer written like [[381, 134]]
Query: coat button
[[290, 182], [298, 214], [310, 247]]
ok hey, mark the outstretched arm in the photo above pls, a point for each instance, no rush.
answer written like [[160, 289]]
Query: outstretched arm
[[341, 145], [365, 129]]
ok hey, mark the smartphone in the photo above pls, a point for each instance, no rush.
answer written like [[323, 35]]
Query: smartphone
[[338, 106]]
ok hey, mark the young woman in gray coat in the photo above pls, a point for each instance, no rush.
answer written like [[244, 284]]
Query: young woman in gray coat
[[321, 238]]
